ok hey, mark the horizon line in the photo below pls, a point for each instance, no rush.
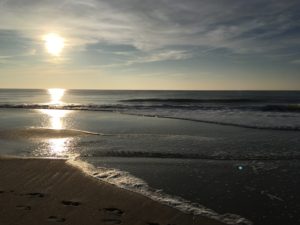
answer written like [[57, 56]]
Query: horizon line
[[94, 89]]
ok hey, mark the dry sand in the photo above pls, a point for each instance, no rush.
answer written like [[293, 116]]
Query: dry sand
[[47, 191]]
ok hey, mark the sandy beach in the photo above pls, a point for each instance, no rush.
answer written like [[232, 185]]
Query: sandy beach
[[136, 169], [48, 191]]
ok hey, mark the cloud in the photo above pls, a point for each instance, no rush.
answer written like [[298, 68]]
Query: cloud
[[242, 27], [296, 61], [165, 55], [139, 57]]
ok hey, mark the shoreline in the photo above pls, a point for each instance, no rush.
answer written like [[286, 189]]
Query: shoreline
[[44, 191]]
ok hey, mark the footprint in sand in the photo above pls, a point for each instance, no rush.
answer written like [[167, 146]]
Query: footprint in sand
[[56, 219], [70, 203], [114, 211], [112, 221], [112, 215], [34, 195], [3, 192], [23, 207], [157, 224]]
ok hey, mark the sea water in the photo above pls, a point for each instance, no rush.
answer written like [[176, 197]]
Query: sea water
[[229, 155]]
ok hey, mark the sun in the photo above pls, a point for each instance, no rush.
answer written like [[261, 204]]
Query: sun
[[54, 43]]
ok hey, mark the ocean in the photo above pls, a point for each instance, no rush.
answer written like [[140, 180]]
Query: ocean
[[229, 155]]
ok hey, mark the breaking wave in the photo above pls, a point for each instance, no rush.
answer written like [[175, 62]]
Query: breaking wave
[[213, 156], [191, 100], [126, 181], [115, 107], [271, 117]]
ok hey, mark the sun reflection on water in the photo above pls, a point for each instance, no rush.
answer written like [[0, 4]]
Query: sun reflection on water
[[55, 117], [56, 94], [58, 146]]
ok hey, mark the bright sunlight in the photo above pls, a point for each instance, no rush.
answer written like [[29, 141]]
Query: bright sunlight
[[54, 43], [56, 117], [56, 94]]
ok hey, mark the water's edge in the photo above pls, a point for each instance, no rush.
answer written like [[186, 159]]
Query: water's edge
[[126, 181]]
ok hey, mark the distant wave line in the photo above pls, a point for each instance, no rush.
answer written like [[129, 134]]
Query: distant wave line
[[126, 110], [192, 100], [73, 106], [284, 128]]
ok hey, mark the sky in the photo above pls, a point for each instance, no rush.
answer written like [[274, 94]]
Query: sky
[[151, 44]]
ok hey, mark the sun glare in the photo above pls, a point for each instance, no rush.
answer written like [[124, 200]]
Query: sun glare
[[56, 94], [55, 117], [58, 145], [54, 43]]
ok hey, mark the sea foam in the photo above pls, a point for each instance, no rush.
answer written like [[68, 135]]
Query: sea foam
[[129, 182], [272, 117]]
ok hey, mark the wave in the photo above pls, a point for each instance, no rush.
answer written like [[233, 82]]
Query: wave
[[259, 127], [127, 181], [206, 156], [192, 100], [253, 117], [282, 108], [102, 107]]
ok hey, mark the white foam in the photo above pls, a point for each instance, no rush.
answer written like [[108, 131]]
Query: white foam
[[260, 120], [126, 181], [219, 114]]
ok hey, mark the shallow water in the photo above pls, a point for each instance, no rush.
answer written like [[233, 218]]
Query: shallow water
[[248, 172], [243, 160], [278, 110]]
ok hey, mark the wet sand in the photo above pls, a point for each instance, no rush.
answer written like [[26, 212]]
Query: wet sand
[[48, 191], [35, 133]]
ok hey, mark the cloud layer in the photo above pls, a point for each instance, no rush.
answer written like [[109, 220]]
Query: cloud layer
[[241, 26], [109, 33]]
